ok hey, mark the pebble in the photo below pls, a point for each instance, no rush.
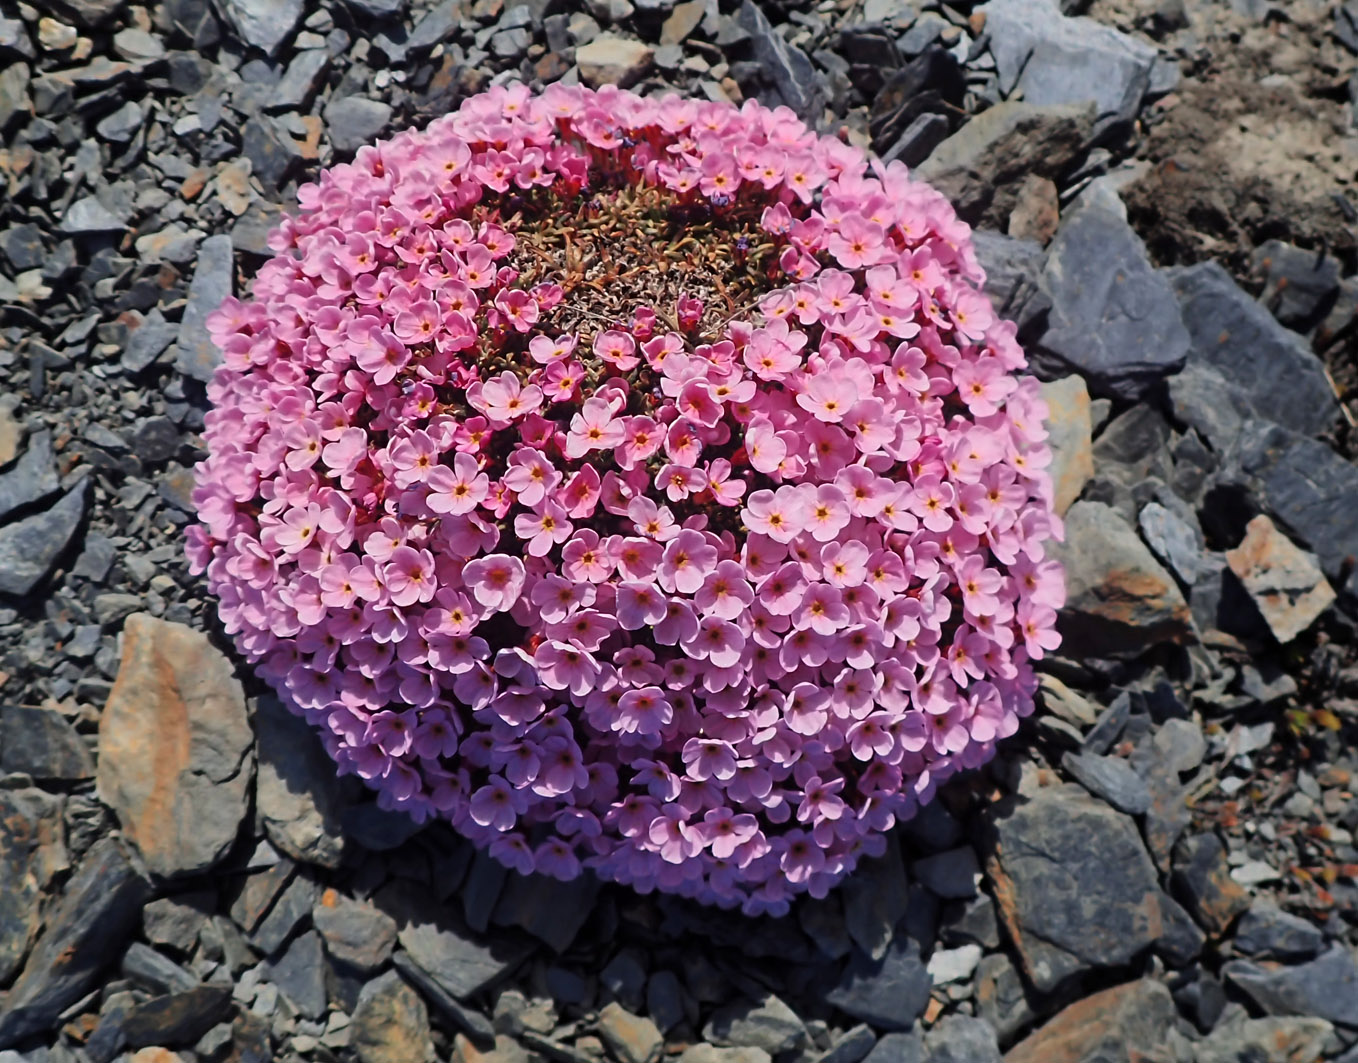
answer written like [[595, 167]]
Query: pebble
[[390, 1023], [631, 1038], [354, 121], [889, 993], [1266, 932], [1286, 584], [356, 933], [1111, 779], [768, 1024], [947, 966], [31, 547], [612, 60], [213, 281]]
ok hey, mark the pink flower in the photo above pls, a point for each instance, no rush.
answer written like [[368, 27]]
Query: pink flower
[[617, 349], [543, 528], [503, 399], [496, 580], [459, 489], [593, 428]]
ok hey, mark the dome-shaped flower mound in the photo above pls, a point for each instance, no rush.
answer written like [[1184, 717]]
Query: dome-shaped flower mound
[[639, 484]]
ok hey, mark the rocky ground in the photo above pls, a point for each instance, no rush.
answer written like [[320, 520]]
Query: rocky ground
[[1160, 867]]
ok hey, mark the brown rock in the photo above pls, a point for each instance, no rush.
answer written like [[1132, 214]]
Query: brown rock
[[10, 433], [31, 852], [1124, 1024], [613, 60], [157, 1055], [1285, 582], [1037, 211], [1070, 431], [1202, 879], [683, 20], [390, 1023], [175, 759], [633, 1038]]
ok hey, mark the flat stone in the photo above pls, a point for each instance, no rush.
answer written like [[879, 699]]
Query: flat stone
[[797, 82], [875, 900], [1114, 318], [1284, 582], [1271, 1040], [273, 157], [134, 44], [962, 1039], [354, 121], [682, 21], [1053, 59], [1275, 369], [122, 125], [154, 970], [1070, 438], [175, 760], [439, 941], [31, 853], [613, 60], [1268, 933], [1173, 540], [148, 341], [1202, 880], [1120, 1025], [1075, 887], [898, 1047], [299, 83], [851, 1046], [947, 966], [262, 24], [177, 1019], [1013, 271], [213, 282], [175, 922], [42, 744], [88, 215], [1310, 491], [33, 477], [889, 993], [553, 912], [294, 904], [1119, 600], [299, 975], [297, 793], [477, 1026], [981, 167], [31, 547], [1001, 997], [85, 931], [23, 244], [705, 1053], [1111, 779], [631, 1038], [1300, 286], [356, 933], [952, 875], [390, 1023], [768, 1024], [1326, 987]]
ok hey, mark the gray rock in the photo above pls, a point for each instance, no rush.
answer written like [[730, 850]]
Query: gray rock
[[1281, 378], [1300, 286], [899, 1048], [378, 8], [951, 875], [1311, 492], [14, 95], [122, 125], [390, 1023], [1119, 599], [154, 970], [297, 793], [980, 167], [356, 933], [1080, 891], [851, 1046], [438, 941], [1173, 540], [88, 215], [148, 341], [23, 246], [262, 24], [1202, 880], [294, 904], [1284, 582], [354, 121], [85, 931], [919, 140], [962, 1039], [176, 1019], [31, 853], [1110, 779], [1001, 998], [29, 548], [1326, 987], [33, 477], [1013, 268], [889, 993], [797, 83], [272, 153], [948, 966], [436, 25], [213, 282], [174, 922], [1206, 401], [299, 975], [1114, 319], [41, 743], [1268, 933], [298, 85], [875, 898], [552, 911], [470, 1021], [768, 1024], [134, 44], [1245, 1040], [1053, 59]]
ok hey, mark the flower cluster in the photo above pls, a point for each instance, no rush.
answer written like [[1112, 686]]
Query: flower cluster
[[699, 570]]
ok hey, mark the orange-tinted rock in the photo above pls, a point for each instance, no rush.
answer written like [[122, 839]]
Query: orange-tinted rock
[[175, 759], [1118, 1025], [1285, 582]]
